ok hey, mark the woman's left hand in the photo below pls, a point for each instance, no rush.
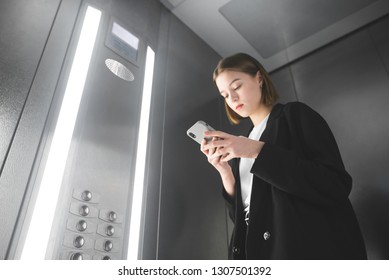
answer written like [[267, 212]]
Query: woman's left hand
[[230, 146]]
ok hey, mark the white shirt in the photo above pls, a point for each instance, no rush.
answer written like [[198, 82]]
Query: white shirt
[[246, 177]]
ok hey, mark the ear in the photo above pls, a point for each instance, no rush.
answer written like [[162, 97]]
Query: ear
[[260, 79]]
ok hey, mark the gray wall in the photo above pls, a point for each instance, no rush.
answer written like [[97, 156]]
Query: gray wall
[[22, 42], [347, 82], [191, 219], [33, 39]]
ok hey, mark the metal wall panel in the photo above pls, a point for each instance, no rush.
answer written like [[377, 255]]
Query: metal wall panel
[[24, 28], [192, 220], [380, 37], [102, 156], [103, 151], [31, 63], [347, 83], [156, 144], [31, 66]]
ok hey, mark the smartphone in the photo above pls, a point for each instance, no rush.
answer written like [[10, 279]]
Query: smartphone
[[196, 132]]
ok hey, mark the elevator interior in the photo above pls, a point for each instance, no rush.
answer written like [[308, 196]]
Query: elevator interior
[[338, 64]]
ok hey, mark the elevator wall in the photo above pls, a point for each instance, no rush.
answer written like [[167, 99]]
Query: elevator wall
[[30, 61], [24, 28], [185, 213], [347, 82]]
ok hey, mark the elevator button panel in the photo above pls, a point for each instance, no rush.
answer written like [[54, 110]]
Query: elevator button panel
[[92, 231], [92, 220]]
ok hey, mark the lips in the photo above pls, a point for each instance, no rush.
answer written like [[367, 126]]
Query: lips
[[239, 107]]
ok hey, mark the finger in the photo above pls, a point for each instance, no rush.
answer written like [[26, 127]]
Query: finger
[[216, 133], [226, 157], [202, 147], [212, 152], [217, 153], [216, 144], [202, 144], [206, 142], [205, 152], [215, 161]]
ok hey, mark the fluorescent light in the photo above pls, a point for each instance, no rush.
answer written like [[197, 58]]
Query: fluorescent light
[[136, 212], [43, 214]]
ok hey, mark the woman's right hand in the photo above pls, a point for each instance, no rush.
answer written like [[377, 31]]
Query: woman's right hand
[[222, 167]]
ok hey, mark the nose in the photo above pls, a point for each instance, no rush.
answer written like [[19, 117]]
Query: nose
[[233, 96]]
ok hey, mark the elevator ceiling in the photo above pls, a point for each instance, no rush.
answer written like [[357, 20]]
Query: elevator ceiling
[[274, 31]]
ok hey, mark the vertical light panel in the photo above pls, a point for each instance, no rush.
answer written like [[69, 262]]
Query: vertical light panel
[[43, 214], [136, 211]]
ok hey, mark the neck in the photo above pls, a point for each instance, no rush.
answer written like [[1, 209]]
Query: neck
[[260, 114]]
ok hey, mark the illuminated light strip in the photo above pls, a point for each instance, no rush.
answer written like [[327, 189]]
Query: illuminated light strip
[[136, 212], [43, 214]]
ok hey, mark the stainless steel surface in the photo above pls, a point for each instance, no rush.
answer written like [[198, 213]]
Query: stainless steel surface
[[273, 26], [76, 256], [276, 32], [348, 83], [189, 188], [27, 89], [100, 167], [86, 195], [82, 225]]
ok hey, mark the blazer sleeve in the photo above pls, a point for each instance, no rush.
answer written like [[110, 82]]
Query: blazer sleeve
[[317, 174], [230, 204], [230, 201]]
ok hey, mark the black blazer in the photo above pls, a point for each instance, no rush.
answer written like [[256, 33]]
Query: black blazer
[[299, 202]]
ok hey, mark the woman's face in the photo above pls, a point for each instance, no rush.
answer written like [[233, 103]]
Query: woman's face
[[241, 91]]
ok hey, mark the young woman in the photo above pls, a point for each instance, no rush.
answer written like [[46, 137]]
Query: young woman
[[285, 184]]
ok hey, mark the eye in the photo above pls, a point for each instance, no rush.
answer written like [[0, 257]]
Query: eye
[[237, 87], [225, 96]]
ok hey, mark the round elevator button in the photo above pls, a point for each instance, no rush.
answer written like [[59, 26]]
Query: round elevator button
[[79, 241], [84, 210], [86, 195], [76, 256], [112, 216], [110, 230], [81, 225], [108, 245]]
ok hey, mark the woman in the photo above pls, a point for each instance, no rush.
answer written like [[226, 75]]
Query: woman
[[286, 186]]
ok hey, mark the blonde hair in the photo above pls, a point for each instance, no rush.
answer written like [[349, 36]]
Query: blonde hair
[[245, 63]]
